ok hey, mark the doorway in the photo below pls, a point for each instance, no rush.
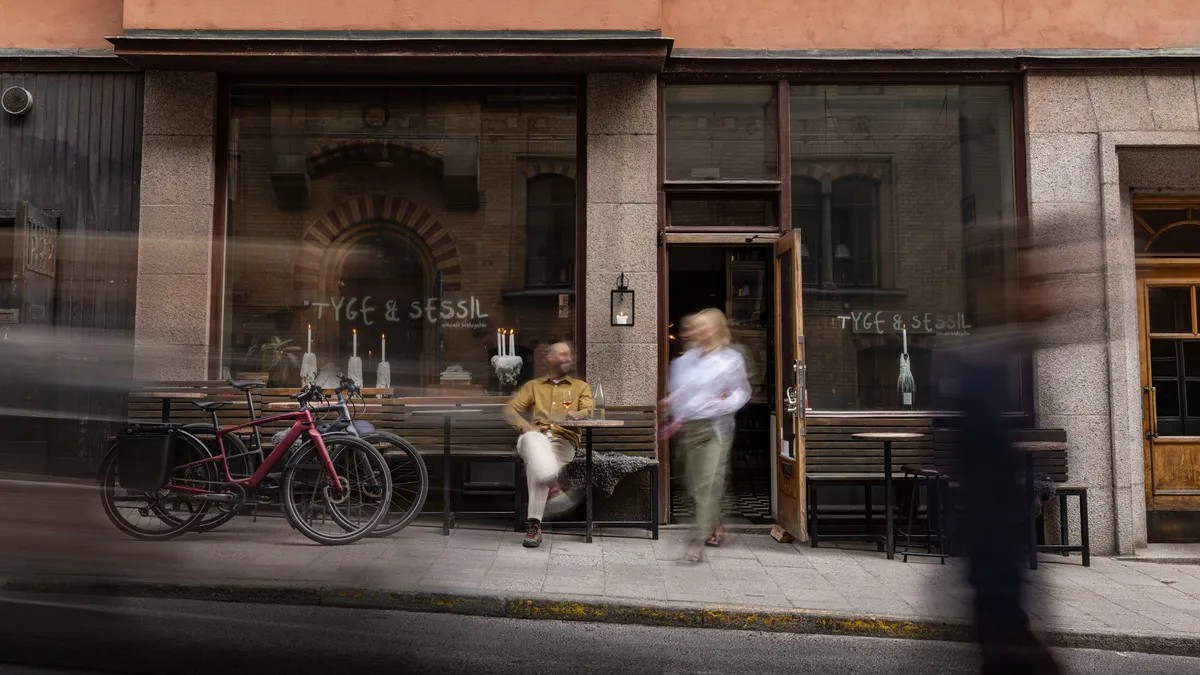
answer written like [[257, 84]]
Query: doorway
[[737, 280]]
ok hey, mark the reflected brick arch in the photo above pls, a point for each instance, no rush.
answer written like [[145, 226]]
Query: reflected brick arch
[[827, 171], [331, 156], [328, 229], [540, 166]]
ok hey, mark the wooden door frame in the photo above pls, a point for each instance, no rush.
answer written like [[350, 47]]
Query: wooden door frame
[[1156, 271]]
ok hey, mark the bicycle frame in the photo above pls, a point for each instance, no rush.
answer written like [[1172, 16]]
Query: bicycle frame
[[302, 425]]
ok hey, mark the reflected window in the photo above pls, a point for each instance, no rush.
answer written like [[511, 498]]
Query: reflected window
[[549, 231], [806, 217], [854, 206], [722, 132]]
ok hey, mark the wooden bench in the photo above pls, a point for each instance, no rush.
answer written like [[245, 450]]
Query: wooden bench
[[834, 460], [485, 437]]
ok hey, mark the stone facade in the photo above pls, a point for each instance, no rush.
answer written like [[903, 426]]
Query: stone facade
[[622, 227], [175, 240], [1094, 140]]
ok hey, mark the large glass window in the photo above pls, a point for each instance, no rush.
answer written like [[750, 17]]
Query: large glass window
[[896, 191], [722, 133], [426, 218]]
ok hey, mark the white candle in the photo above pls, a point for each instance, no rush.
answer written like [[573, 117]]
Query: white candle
[[383, 348], [309, 338], [904, 333], [499, 343], [512, 341], [354, 331]]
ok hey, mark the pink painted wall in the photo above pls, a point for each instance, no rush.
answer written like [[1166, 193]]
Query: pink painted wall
[[394, 14], [931, 24], [711, 24], [58, 24]]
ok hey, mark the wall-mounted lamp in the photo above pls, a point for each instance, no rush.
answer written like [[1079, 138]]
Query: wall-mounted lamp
[[621, 305]]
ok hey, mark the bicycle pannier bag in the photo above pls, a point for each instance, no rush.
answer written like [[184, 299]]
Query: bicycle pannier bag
[[144, 458]]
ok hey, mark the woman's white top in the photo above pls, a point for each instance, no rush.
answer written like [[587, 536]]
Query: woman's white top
[[707, 385]]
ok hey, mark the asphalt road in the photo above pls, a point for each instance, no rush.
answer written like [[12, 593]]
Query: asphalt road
[[166, 637]]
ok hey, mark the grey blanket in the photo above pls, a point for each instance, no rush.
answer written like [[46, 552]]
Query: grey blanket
[[608, 468]]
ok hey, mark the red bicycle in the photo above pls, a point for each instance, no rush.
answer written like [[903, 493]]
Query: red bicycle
[[159, 481]]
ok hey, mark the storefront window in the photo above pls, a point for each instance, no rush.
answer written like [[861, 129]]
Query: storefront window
[[896, 191], [722, 133], [413, 220]]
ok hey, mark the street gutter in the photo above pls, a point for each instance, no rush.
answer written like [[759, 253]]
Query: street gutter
[[566, 608]]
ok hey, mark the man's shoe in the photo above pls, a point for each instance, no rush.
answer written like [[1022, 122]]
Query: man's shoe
[[533, 535]]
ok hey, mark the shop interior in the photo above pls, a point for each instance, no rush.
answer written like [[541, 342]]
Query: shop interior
[[736, 280]]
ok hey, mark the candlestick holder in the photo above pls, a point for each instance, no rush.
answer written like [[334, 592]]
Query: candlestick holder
[[507, 369]]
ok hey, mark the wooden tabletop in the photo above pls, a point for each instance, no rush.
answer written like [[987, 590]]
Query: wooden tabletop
[[170, 394], [886, 436], [441, 411], [1040, 446], [589, 423]]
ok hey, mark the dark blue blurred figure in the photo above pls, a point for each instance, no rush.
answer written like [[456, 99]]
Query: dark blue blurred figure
[[993, 522]]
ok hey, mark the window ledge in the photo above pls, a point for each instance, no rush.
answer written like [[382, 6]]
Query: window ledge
[[856, 291], [537, 292]]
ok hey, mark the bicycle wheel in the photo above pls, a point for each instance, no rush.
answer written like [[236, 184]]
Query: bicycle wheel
[[328, 516], [242, 463], [410, 481], [164, 514]]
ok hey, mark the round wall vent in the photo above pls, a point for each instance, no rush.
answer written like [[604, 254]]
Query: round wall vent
[[16, 100]]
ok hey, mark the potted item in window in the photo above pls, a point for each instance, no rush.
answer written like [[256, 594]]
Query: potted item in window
[[275, 356]]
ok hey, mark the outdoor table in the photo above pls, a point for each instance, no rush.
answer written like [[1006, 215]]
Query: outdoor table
[[167, 397], [446, 413], [1030, 449], [888, 437], [587, 425]]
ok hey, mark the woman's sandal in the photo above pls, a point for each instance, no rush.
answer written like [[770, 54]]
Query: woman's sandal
[[715, 539]]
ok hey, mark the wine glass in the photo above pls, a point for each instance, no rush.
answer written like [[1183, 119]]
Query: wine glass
[[567, 400]]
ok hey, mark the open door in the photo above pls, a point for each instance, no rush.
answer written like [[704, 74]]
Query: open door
[[790, 394]]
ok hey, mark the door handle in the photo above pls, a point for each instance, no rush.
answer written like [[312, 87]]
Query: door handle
[[791, 403], [1152, 411]]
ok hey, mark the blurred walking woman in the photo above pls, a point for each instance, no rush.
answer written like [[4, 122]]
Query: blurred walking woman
[[706, 387]]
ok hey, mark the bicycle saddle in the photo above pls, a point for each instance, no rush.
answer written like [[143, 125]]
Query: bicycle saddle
[[246, 385], [209, 406]]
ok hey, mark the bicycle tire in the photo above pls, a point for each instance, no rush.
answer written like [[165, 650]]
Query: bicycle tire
[[410, 481], [240, 466], [175, 526], [304, 472]]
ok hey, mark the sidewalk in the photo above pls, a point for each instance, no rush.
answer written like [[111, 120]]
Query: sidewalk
[[751, 581]]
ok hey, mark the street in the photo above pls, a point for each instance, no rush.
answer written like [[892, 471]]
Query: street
[[162, 636]]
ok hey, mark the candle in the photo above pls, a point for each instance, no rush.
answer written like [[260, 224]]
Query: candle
[[309, 338], [354, 331], [904, 333], [512, 344], [383, 348], [499, 343]]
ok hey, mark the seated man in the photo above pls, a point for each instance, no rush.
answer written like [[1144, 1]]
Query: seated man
[[546, 447]]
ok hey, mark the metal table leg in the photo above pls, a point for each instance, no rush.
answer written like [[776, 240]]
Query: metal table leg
[[166, 411], [587, 451], [888, 502], [446, 475], [1028, 506]]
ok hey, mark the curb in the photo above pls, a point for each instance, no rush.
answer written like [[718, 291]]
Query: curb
[[678, 615]]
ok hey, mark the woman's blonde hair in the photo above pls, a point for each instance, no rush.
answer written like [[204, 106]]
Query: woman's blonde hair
[[716, 318]]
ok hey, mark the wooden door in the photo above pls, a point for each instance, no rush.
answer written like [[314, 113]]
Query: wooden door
[[790, 394], [1169, 331]]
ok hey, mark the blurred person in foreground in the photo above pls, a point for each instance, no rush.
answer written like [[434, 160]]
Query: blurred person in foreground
[[706, 387], [994, 519], [546, 447]]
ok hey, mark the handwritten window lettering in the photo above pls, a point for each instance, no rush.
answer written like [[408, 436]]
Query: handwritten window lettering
[[367, 310], [882, 322]]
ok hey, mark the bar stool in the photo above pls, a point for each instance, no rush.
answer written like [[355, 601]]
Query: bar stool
[[934, 482]]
